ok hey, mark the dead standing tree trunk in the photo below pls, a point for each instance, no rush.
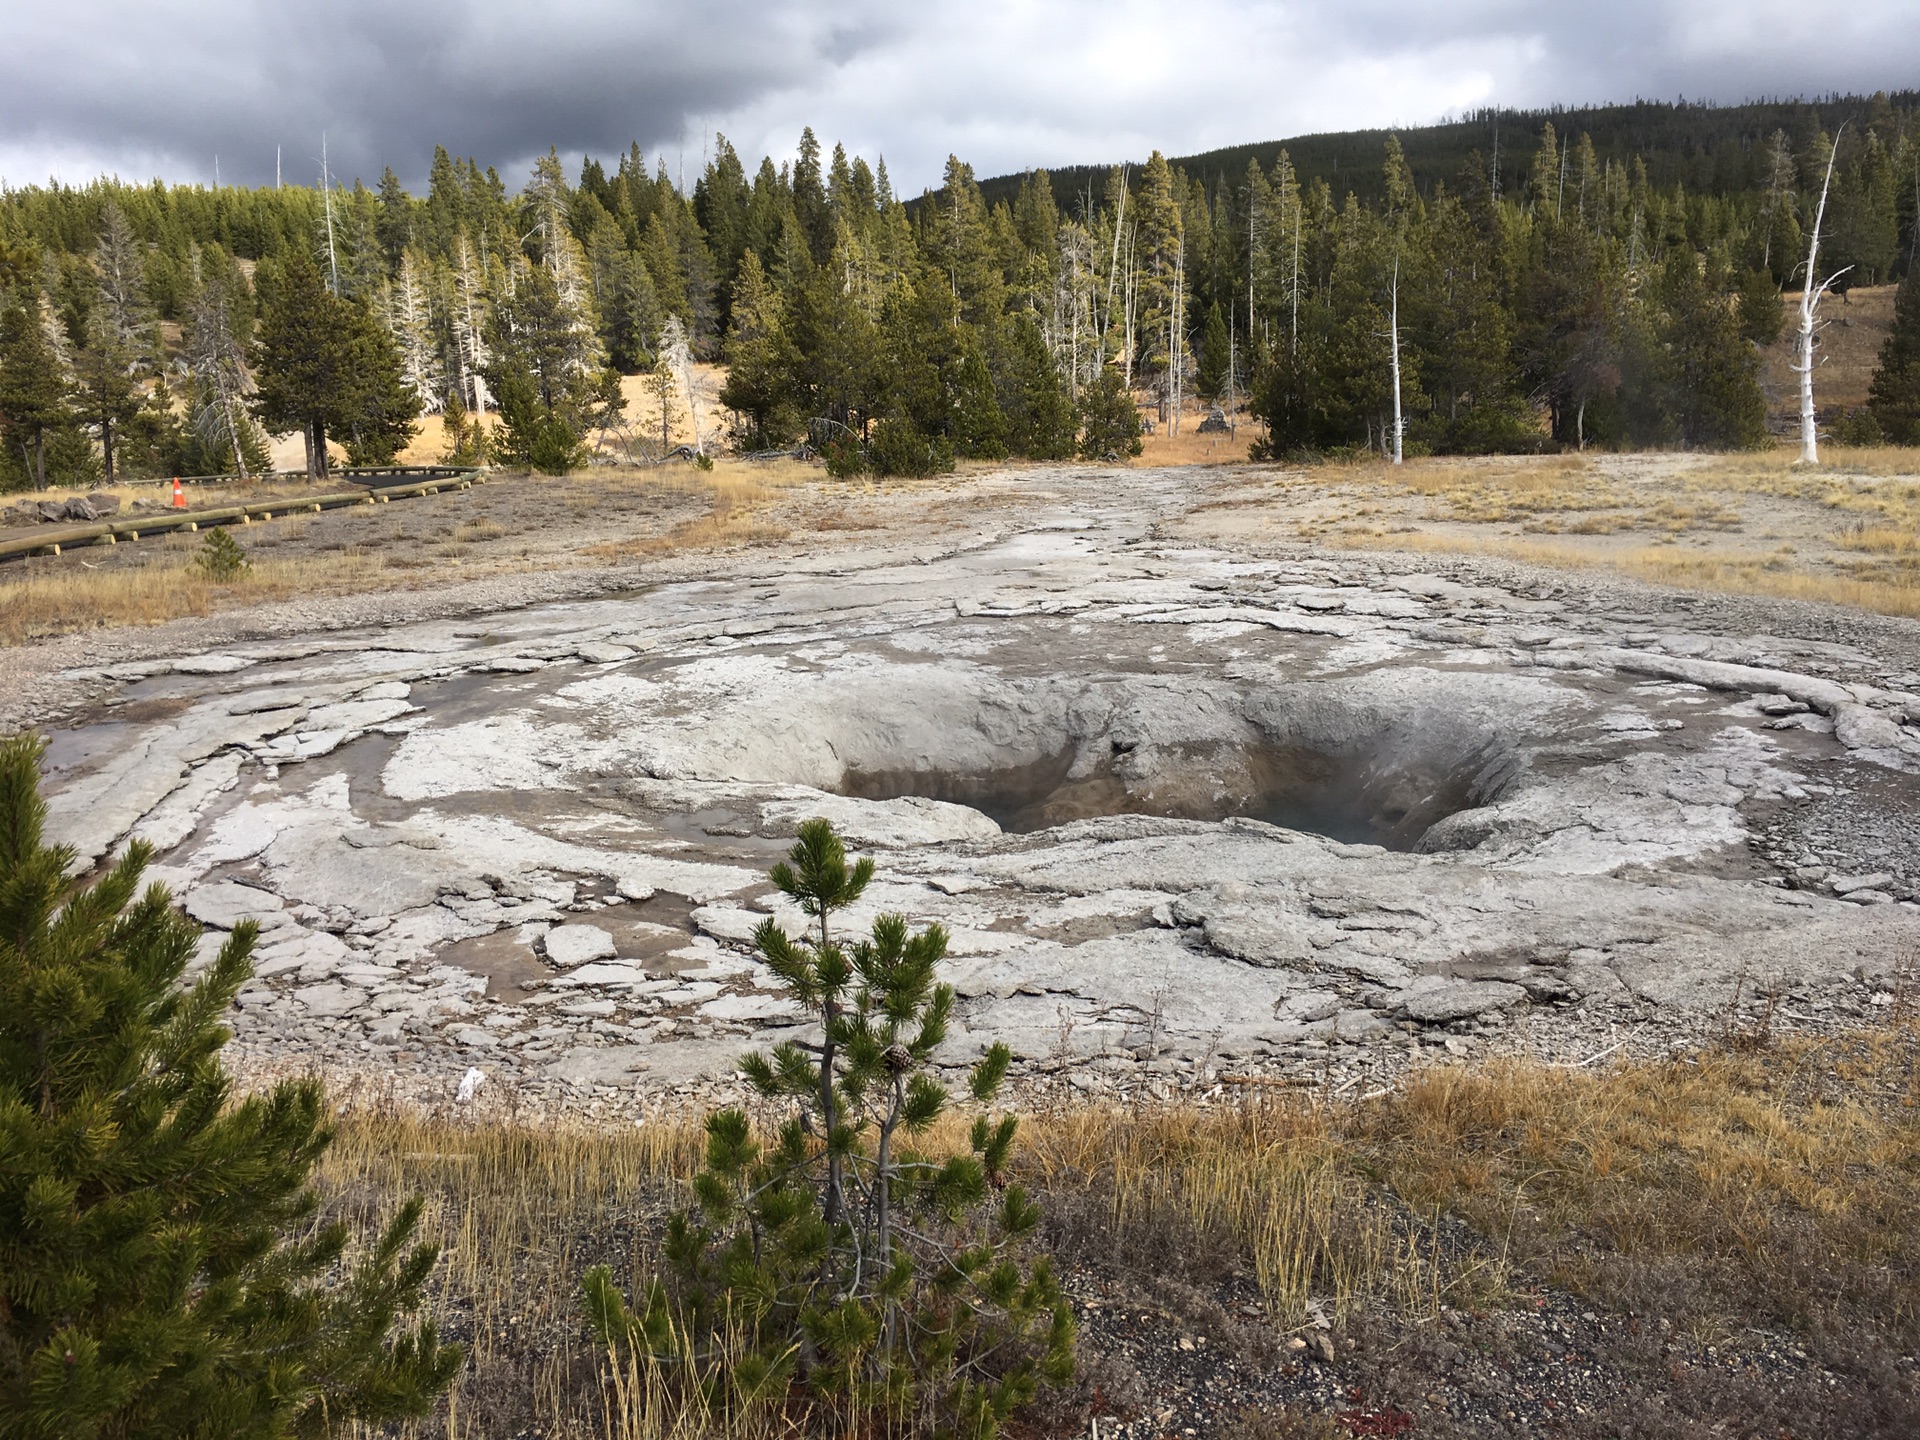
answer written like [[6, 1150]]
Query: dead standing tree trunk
[[1393, 329], [1811, 293]]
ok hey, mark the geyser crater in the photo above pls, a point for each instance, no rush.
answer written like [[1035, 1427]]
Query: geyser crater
[[1359, 764]]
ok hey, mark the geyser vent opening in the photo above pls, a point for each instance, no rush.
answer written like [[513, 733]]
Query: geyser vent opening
[[1372, 797]]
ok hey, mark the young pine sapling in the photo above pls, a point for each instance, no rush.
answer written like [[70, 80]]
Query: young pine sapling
[[887, 1279]]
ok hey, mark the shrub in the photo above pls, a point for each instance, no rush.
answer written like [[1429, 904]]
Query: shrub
[[886, 1280], [556, 449], [1110, 423], [162, 1271], [899, 447], [844, 456], [1859, 427], [221, 557]]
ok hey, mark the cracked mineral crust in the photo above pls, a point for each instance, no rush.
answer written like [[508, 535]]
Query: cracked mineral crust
[[1183, 812]]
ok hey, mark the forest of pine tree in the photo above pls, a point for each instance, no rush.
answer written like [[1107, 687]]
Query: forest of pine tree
[[1560, 292]]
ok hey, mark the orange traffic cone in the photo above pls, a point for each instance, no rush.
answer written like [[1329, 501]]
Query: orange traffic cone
[[179, 495]]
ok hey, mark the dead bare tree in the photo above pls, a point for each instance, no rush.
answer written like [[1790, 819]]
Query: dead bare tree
[[1293, 338], [677, 355], [1176, 334], [217, 362], [1393, 330], [471, 341], [1811, 294], [326, 195], [1779, 189]]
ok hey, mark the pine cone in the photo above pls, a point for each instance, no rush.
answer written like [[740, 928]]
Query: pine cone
[[898, 1060]]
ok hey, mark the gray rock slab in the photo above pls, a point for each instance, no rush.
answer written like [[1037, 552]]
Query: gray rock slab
[[763, 1008], [330, 1000], [1070, 729], [575, 944], [601, 1064], [1460, 1001], [606, 973], [225, 904]]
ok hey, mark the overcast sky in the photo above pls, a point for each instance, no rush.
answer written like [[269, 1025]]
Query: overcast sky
[[161, 87]]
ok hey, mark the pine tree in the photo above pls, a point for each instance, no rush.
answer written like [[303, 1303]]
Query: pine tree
[[1041, 423], [466, 441], [394, 227], [888, 1278], [105, 396], [847, 362], [624, 296], [809, 197], [1211, 382], [302, 360], [385, 403], [153, 442], [362, 263], [1894, 396], [1563, 344], [221, 557], [1711, 372], [1762, 317], [979, 428], [163, 1272], [33, 385], [761, 362], [1110, 422], [328, 367]]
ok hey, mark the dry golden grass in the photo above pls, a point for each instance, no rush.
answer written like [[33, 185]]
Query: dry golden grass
[[478, 530], [75, 597], [1776, 1181], [1275, 1177], [1774, 575], [83, 593], [1498, 491], [1836, 461], [740, 493], [1759, 1180], [520, 1212]]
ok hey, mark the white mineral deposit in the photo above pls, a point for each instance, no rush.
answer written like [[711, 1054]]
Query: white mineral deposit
[[1190, 815]]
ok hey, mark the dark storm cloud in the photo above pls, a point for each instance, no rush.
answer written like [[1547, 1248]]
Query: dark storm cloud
[[169, 86], [162, 86]]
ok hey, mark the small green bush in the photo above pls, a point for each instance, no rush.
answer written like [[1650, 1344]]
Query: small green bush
[[888, 1282], [556, 448], [845, 457], [899, 447], [220, 556], [1858, 427]]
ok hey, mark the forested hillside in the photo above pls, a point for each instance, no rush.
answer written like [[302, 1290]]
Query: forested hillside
[[1606, 282], [1716, 150]]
